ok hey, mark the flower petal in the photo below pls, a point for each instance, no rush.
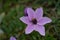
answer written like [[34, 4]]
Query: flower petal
[[25, 20], [44, 21], [25, 11], [12, 38], [40, 29], [29, 29], [31, 13], [39, 13]]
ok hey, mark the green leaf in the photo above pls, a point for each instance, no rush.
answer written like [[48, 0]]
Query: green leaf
[[49, 37], [1, 17], [58, 11]]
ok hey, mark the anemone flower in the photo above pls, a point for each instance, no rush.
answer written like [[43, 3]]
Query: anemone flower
[[12, 38], [35, 21]]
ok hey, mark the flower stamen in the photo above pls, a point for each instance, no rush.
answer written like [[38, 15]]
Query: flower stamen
[[34, 21]]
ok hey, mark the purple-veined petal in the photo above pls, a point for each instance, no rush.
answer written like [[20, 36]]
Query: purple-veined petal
[[25, 19], [40, 29], [39, 13], [29, 29], [44, 21], [12, 38], [31, 13]]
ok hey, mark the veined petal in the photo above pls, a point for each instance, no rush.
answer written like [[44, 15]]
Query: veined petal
[[39, 13], [29, 29], [40, 29], [25, 19], [31, 13], [44, 21], [12, 38]]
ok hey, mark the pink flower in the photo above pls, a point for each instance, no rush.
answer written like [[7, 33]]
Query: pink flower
[[12, 38], [35, 21]]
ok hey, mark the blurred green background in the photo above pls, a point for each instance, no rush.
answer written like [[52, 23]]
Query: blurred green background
[[12, 10]]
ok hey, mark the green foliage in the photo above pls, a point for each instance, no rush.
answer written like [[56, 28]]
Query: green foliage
[[1, 17]]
